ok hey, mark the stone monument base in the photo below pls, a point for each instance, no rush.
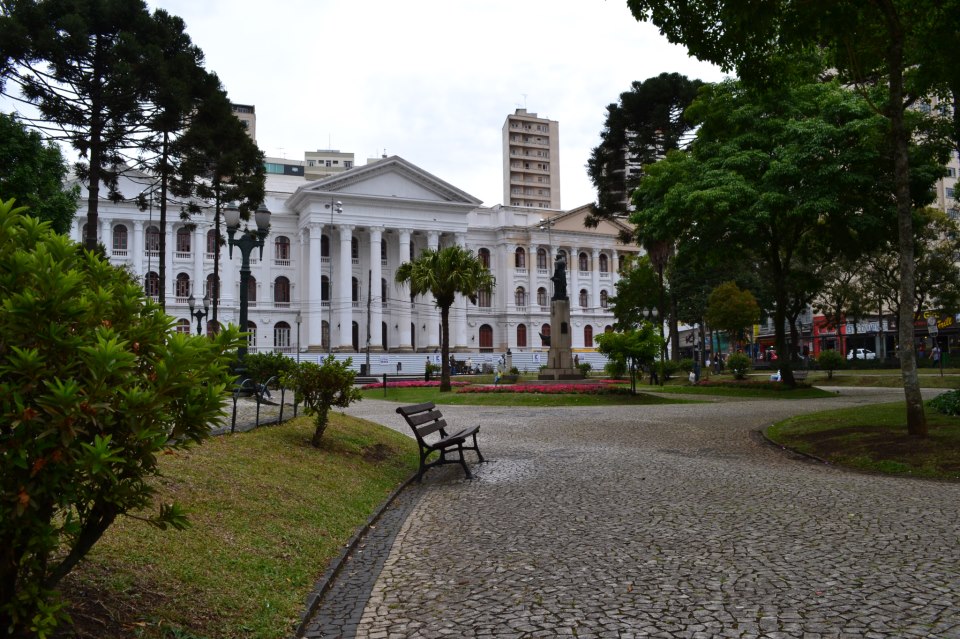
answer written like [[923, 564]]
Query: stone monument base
[[559, 374]]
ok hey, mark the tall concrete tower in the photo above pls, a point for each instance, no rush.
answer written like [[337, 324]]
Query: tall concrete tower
[[531, 161]]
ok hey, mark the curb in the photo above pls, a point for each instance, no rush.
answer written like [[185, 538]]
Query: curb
[[325, 582], [763, 436]]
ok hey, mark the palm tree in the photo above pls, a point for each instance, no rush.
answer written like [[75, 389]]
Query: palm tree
[[444, 274]]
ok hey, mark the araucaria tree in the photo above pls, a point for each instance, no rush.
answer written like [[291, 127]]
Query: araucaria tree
[[94, 385], [901, 45], [446, 273], [84, 64]]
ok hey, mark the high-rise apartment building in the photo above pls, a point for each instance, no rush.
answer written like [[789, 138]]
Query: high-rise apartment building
[[247, 114], [531, 161], [326, 162]]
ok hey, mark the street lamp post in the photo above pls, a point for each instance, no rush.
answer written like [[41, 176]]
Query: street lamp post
[[248, 241], [335, 206], [199, 314]]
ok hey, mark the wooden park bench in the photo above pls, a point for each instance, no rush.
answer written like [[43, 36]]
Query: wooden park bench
[[425, 420]]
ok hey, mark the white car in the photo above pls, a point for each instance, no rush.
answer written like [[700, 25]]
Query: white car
[[861, 353]]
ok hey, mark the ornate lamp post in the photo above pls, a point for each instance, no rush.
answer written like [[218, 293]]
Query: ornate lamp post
[[199, 314], [248, 241]]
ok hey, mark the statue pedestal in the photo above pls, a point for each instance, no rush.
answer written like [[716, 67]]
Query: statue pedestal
[[560, 357]]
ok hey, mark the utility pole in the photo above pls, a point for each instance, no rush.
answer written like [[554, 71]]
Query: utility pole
[[369, 299]]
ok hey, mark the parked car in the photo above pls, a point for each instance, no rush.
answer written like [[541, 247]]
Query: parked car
[[861, 353]]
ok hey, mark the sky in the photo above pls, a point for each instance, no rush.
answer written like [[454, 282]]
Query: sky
[[431, 81]]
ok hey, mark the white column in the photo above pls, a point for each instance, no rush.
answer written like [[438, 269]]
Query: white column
[[573, 267], [106, 235], [314, 307], [138, 247], [458, 312], [595, 284], [344, 301], [376, 303], [198, 247], [614, 271], [229, 291], [403, 295], [432, 313]]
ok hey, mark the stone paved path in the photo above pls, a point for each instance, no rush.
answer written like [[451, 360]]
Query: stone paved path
[[665, 521]]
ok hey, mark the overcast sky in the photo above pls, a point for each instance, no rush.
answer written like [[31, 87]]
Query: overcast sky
[[430, 80]]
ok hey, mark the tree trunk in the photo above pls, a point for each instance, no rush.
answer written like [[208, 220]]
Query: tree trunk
[[445, 349], [320, 424], [916, 419], [164, 177]]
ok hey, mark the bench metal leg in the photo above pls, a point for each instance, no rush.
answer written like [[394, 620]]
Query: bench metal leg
[[463, 461]]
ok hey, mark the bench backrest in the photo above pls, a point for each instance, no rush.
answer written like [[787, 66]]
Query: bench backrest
[[424, 419]]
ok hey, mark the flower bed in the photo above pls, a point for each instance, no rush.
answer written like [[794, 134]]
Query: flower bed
[[548, 389], [410, 384]]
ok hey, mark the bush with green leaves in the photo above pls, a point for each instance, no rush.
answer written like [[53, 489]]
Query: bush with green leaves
[[830, 361], [321, 387], [261, 367], [616, 367], [686, 364], [947, 403], [94, 385], [667, 369], [584, 368], [739, 365]]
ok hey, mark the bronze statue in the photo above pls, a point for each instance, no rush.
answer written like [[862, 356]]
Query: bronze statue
[[559, 278]]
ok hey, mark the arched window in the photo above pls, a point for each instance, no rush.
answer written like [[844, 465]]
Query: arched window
[[281, 336], [252, 291], [486, 336], [182, 288], [604, 299], [383, 292], [484, 256], [325, 246], [520, 296], [604, 263], [183, 240], [152, 237], [583, 298], [521, 336], [120, 239], [542, 296], [213, 288], [252, 337], [183, 326], [281, 292], [584, 261], [355, 290], [354, 248], [151, 285], [483, 298], [520, 258], [324, 291], [545, 335], [588, 336], [281, 246], [212, 242], [542, 259]]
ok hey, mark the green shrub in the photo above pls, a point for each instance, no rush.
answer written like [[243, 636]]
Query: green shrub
[[321, 387], [514, 370], [739, 365], [94, 385], [686, 364], [667, 369], [260, 367], [830, 361], [584, 368], [947, 403], [615, 368]]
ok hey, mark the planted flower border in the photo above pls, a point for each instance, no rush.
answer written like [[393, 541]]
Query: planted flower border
[[548, 389], [409, 384]]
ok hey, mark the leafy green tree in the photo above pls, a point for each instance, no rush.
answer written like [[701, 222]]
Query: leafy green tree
[[903, 45], [83, 63], [647, 122], [786, 173], [830, 361], [261, 367], [94, 385], [321, 387], [637, 294], [446, 273], [33, 173], [739, 365], [637, 347], [732, 310], [219, 164]]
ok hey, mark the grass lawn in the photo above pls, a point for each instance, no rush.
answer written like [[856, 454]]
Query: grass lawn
[[419, 395], [882, 377], [874, 438], [268, 513], [771, 390]]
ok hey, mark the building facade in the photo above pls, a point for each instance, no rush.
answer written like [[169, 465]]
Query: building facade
[[531, 161], [327, 271]]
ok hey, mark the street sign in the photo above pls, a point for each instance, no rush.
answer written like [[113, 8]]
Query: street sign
[[932, 326]]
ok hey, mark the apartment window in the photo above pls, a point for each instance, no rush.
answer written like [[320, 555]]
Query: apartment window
[[584, 262], [604, 263], [520, 296], [542, 296], [583, 298], [182, 286], [541, 258], [282, 247], [483, 298], [347, 164], [604, 299], [152, 238]]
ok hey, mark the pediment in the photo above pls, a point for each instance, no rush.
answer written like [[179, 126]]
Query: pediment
[[573, 220], [393, 178]]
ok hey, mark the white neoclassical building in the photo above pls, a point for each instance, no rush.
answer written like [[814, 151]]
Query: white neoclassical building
[[327, 271]]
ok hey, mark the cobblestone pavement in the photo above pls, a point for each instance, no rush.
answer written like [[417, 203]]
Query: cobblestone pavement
[[663, 521]]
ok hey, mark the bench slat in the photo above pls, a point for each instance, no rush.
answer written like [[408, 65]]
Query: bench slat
[[431, 428], [422, 418], [415, 408]]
